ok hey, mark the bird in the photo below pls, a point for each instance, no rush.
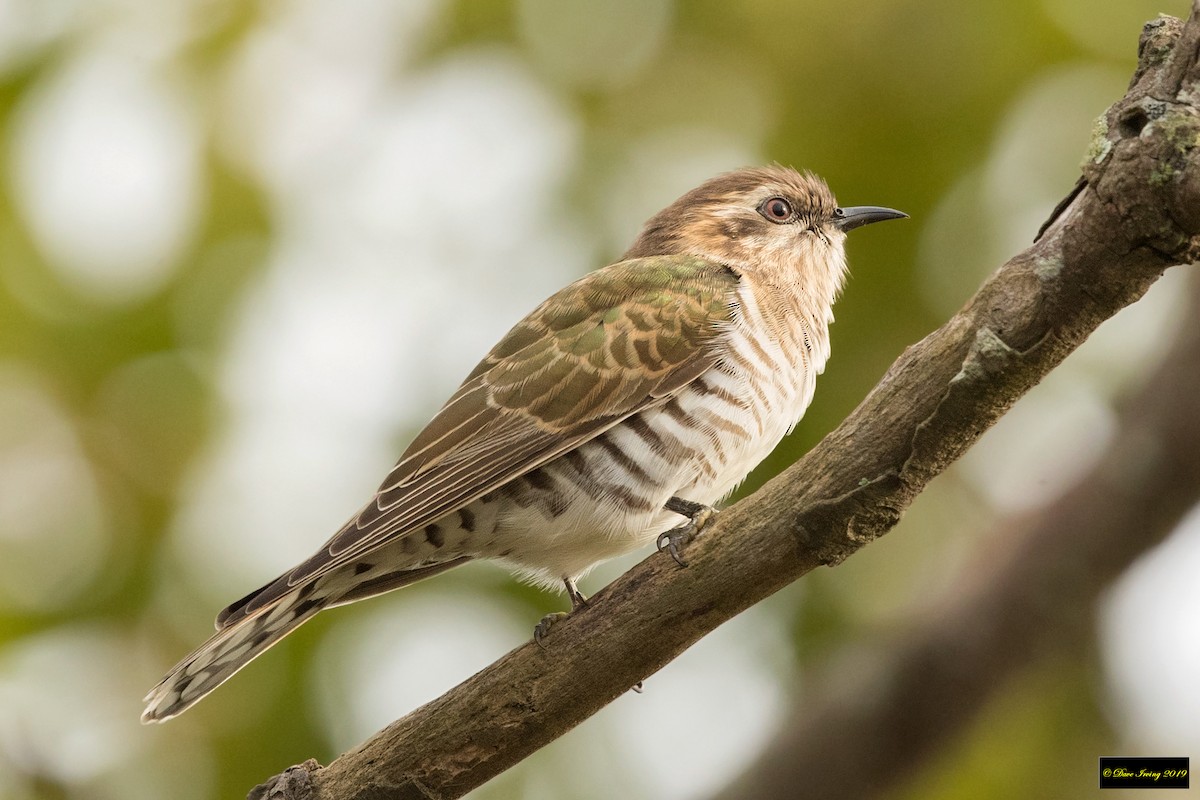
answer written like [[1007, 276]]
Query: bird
[[615, 415]]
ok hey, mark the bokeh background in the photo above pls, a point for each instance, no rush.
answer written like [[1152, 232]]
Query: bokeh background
[[248, 248]]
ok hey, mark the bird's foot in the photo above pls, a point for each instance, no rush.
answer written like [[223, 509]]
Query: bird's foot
[[542, 628], [578, 601], [674, 540]]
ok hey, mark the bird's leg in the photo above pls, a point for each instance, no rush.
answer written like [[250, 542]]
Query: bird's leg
[[578, 601], [698, 516], [577, 598]]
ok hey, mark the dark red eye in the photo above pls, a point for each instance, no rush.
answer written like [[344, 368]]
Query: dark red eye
[[776, 209]]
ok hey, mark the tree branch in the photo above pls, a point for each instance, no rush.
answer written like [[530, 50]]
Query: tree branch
[[1138, 214], [1037, 597]]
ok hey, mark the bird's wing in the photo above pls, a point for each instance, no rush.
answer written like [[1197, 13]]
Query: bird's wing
[[615, 342]]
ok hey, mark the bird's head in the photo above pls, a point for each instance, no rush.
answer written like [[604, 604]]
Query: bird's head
[[772, 223]]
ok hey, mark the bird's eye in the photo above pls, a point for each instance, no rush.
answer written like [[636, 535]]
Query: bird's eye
[[776, 209]]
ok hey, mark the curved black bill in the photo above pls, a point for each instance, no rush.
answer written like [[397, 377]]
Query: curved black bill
[[853, 217]]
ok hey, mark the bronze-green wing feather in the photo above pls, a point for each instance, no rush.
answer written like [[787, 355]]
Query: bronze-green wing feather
[[617, 341]]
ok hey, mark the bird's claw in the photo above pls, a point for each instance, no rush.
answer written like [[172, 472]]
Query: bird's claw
[[542, 628], [674, 540], [578, 601]]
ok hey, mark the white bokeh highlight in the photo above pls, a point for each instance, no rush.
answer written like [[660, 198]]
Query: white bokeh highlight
[[1150, 648], [303, 83], [381, 663], [50, 504], [106, 164], [65, 716], [27, 27], [702, 719], [60, 702]]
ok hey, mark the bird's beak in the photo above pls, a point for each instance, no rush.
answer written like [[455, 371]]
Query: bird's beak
[[856, 216]]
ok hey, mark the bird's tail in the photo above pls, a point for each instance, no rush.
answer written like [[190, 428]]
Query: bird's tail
[[228, 650], [247, 628]]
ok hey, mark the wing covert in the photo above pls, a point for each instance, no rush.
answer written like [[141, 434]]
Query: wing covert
[[617, 341]]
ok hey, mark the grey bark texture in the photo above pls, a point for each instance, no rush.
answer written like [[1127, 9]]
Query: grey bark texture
[[1135, 212]]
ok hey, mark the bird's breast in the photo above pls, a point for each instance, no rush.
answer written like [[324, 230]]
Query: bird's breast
[[606, 497], [764, 380]]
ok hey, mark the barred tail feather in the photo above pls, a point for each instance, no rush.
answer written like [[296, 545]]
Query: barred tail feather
[[227, 651], [247, 628]]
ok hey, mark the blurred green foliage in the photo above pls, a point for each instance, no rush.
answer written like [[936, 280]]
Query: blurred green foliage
[[893, 101]]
